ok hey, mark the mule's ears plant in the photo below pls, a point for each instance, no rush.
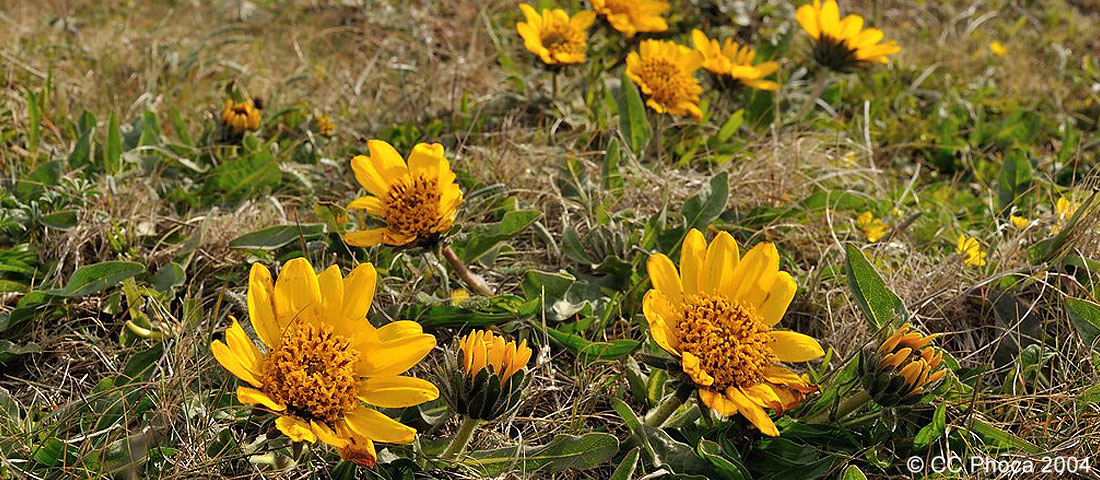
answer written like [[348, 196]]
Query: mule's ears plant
[[717, 316], [323, 359]]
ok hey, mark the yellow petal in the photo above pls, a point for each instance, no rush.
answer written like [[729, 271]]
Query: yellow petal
[[374, 425], [722, 260], [692, 367], [327, 435], [807, 17], [752, 411], [692, 254], [425, 159], [763, 395], [664, 277], [387, 162], [830, 19], [850, 27], [778, 299], [331, 284], [717, 402], [396, 391], [755, 274], [297, 293], [359, 288], [393, 357], [261, 306], [297, 429], [233, 362], [795, 347], [372, 205], [365, 238], [242, 346], [251, 395]]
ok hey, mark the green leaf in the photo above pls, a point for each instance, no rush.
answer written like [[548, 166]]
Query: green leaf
[[1014, 181], [241, 177], [929, 433], [112, 154], [278, 236], [626, 468], [60, 220], [10, 351], [484, 237], [995, 437], [84, 149], [141, 363], [34, 119], [95, 278], [1053, 247], [731, 126], [563, 452], [477, 312], [633, 122], [707, 205], [853, 473], [589, 351], [728, 468], [879, 304], [1085, 316], [612, 175], [150, 129]]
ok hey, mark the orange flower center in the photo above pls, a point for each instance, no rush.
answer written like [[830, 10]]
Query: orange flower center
[[313, 373], [669, 84], [562, 38], [729, 338], [412, 208]]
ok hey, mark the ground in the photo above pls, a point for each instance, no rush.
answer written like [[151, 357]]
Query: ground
[[112, 150]]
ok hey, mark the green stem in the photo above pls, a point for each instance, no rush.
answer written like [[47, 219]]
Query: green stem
[[474, 281], [849, 405], [815, 94], [462, 438], [669, 405]]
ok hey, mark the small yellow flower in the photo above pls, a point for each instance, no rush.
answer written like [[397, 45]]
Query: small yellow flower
[[633, 16], [1064, 209], [873, 229], [997, 48], [842, 45], [241, 116], [902, 368], [665, 72], [416, 200], [1019, 222], [324, 359], [325, 126], [971, 251], [554, 36], [718, 314], [735, 61], [459, 296]]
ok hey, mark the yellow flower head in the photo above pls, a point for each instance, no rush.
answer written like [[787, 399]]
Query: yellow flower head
[[1019, 222], [323, 359], [325, 125], [971, 250], [665, 72], [906, 354], [633, 16], [416, 200], [873, 229], [1064, 209], [241, 116], [735, 61], [482, 349], [718, 316], [842, 45], [997, 48], [554, 36]]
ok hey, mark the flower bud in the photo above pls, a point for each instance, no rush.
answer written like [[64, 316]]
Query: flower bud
[[484, 376], [903, 367]]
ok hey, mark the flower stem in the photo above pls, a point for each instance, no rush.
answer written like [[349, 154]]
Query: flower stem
[[849, 405], [462, 438], [815, 94], [474, 281], [669, 405]]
